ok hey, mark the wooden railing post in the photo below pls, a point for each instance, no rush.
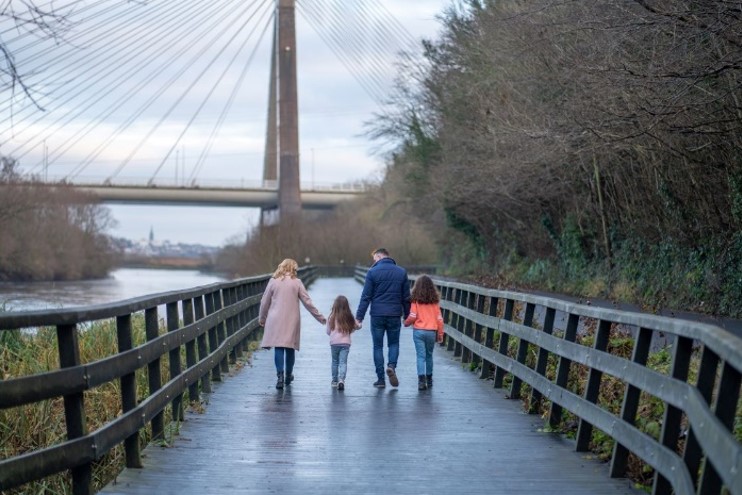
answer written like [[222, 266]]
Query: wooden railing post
[[216, 375], [502, 347], [220, 330], [190, 346], [592, 388], [154, 375], [725, 409], [489, 338], [562, 375], [671, 419], [630, 405], [522, 351], [693, 453], [465, 327], [231, 326], [457, 323], [173, 323], [478, 306], [446, 296], [534, 402], [128, 390], [203, 348], [74, 406]]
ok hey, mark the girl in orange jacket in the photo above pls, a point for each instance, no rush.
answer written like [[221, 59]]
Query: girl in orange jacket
[[427, 327]]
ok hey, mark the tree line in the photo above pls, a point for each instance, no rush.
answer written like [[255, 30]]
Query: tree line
[[583, 146], [50, 233]]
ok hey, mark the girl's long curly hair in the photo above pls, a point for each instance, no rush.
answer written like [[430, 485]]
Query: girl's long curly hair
[[341, 317], [424, 291]]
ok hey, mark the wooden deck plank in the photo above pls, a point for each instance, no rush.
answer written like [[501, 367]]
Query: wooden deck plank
[[461, 436]]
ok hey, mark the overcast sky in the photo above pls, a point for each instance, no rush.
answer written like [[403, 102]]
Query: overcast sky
[[153, 118]]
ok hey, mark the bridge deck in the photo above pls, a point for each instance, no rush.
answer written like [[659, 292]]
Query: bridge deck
[[461, 436]]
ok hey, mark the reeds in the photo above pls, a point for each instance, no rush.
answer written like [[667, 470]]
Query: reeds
[[40, 425]]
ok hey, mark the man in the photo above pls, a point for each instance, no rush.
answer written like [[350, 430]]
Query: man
[[387, 290]]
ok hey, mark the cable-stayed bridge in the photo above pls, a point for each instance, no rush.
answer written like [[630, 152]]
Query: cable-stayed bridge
[[255, 194], [208, 90]]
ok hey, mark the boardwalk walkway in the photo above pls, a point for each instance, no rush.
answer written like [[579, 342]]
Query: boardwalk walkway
[[460, 437]]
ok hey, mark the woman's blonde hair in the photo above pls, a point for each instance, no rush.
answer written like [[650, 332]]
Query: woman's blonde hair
[[286, 268]]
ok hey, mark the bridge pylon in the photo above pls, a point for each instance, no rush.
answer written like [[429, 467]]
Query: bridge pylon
[[281, 161]]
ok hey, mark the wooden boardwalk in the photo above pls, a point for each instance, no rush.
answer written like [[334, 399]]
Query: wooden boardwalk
[[460, 437]]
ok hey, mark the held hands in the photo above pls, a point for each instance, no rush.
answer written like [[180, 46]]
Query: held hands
[[323, 320], [359, 324], [261, 323]]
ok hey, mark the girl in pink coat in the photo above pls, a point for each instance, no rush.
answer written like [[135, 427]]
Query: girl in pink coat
[[279, 315], [340, 324]]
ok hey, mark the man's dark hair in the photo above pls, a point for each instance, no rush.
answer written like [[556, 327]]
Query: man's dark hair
[[382, 251]]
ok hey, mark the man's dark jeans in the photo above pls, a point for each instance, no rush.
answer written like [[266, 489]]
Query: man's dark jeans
[[391, 326]]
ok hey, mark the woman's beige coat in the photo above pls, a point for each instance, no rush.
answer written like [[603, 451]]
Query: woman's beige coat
[[279, 310]]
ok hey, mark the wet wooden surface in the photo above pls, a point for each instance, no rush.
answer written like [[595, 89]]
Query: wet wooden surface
[[462, 436]]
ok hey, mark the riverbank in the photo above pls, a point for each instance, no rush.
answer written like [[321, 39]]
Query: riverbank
[[167, 262], [122, 283]]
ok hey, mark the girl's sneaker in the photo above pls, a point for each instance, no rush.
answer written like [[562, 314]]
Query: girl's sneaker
[[341, 385], [334, 384]]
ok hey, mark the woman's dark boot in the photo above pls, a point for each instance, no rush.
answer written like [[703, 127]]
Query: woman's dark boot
[[421, 384], [429, 380], [288, 378], [279, 383]]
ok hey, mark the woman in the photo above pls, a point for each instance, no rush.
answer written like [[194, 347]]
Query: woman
[[279, 315]]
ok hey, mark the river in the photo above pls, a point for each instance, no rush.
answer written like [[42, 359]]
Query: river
[[124, 283]]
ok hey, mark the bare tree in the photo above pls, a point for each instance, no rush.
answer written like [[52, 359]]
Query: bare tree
[[46, 22]]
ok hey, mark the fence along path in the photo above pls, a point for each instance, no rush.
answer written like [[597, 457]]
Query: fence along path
[[461, 436]]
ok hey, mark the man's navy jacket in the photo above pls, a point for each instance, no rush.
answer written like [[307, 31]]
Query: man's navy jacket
[[387, 289]]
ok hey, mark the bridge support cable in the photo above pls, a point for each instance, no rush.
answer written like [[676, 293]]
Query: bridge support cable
[[363, 34], [362, 31], [214, 27], [228, 105], [185, 93], [178, 28], [179, 34], [199, 30], [313, 13], [232, 95], [109, 45]]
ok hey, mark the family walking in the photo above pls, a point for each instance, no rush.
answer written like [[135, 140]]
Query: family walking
[[387, 298]]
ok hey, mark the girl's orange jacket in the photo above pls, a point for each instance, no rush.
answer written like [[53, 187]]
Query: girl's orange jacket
[[425, 317]]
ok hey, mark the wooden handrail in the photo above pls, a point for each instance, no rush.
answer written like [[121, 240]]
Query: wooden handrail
[[229, 321], [711, 459]]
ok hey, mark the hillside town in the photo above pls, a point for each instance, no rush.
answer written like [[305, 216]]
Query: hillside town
[[151, 251]]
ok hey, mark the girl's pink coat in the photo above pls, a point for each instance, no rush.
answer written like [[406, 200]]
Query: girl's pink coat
[[279, 309]]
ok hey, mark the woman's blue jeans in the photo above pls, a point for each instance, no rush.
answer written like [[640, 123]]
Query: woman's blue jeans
[[389, 325], [424, 344], [339, 361], [290, 357]]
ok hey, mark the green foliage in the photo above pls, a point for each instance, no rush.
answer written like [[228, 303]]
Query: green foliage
[[735, 195]]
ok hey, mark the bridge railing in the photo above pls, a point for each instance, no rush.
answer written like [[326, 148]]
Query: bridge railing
[[208, 325], [164, 182], [538, 341]]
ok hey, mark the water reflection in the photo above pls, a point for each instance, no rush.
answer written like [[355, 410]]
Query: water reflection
[[124, 283]]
